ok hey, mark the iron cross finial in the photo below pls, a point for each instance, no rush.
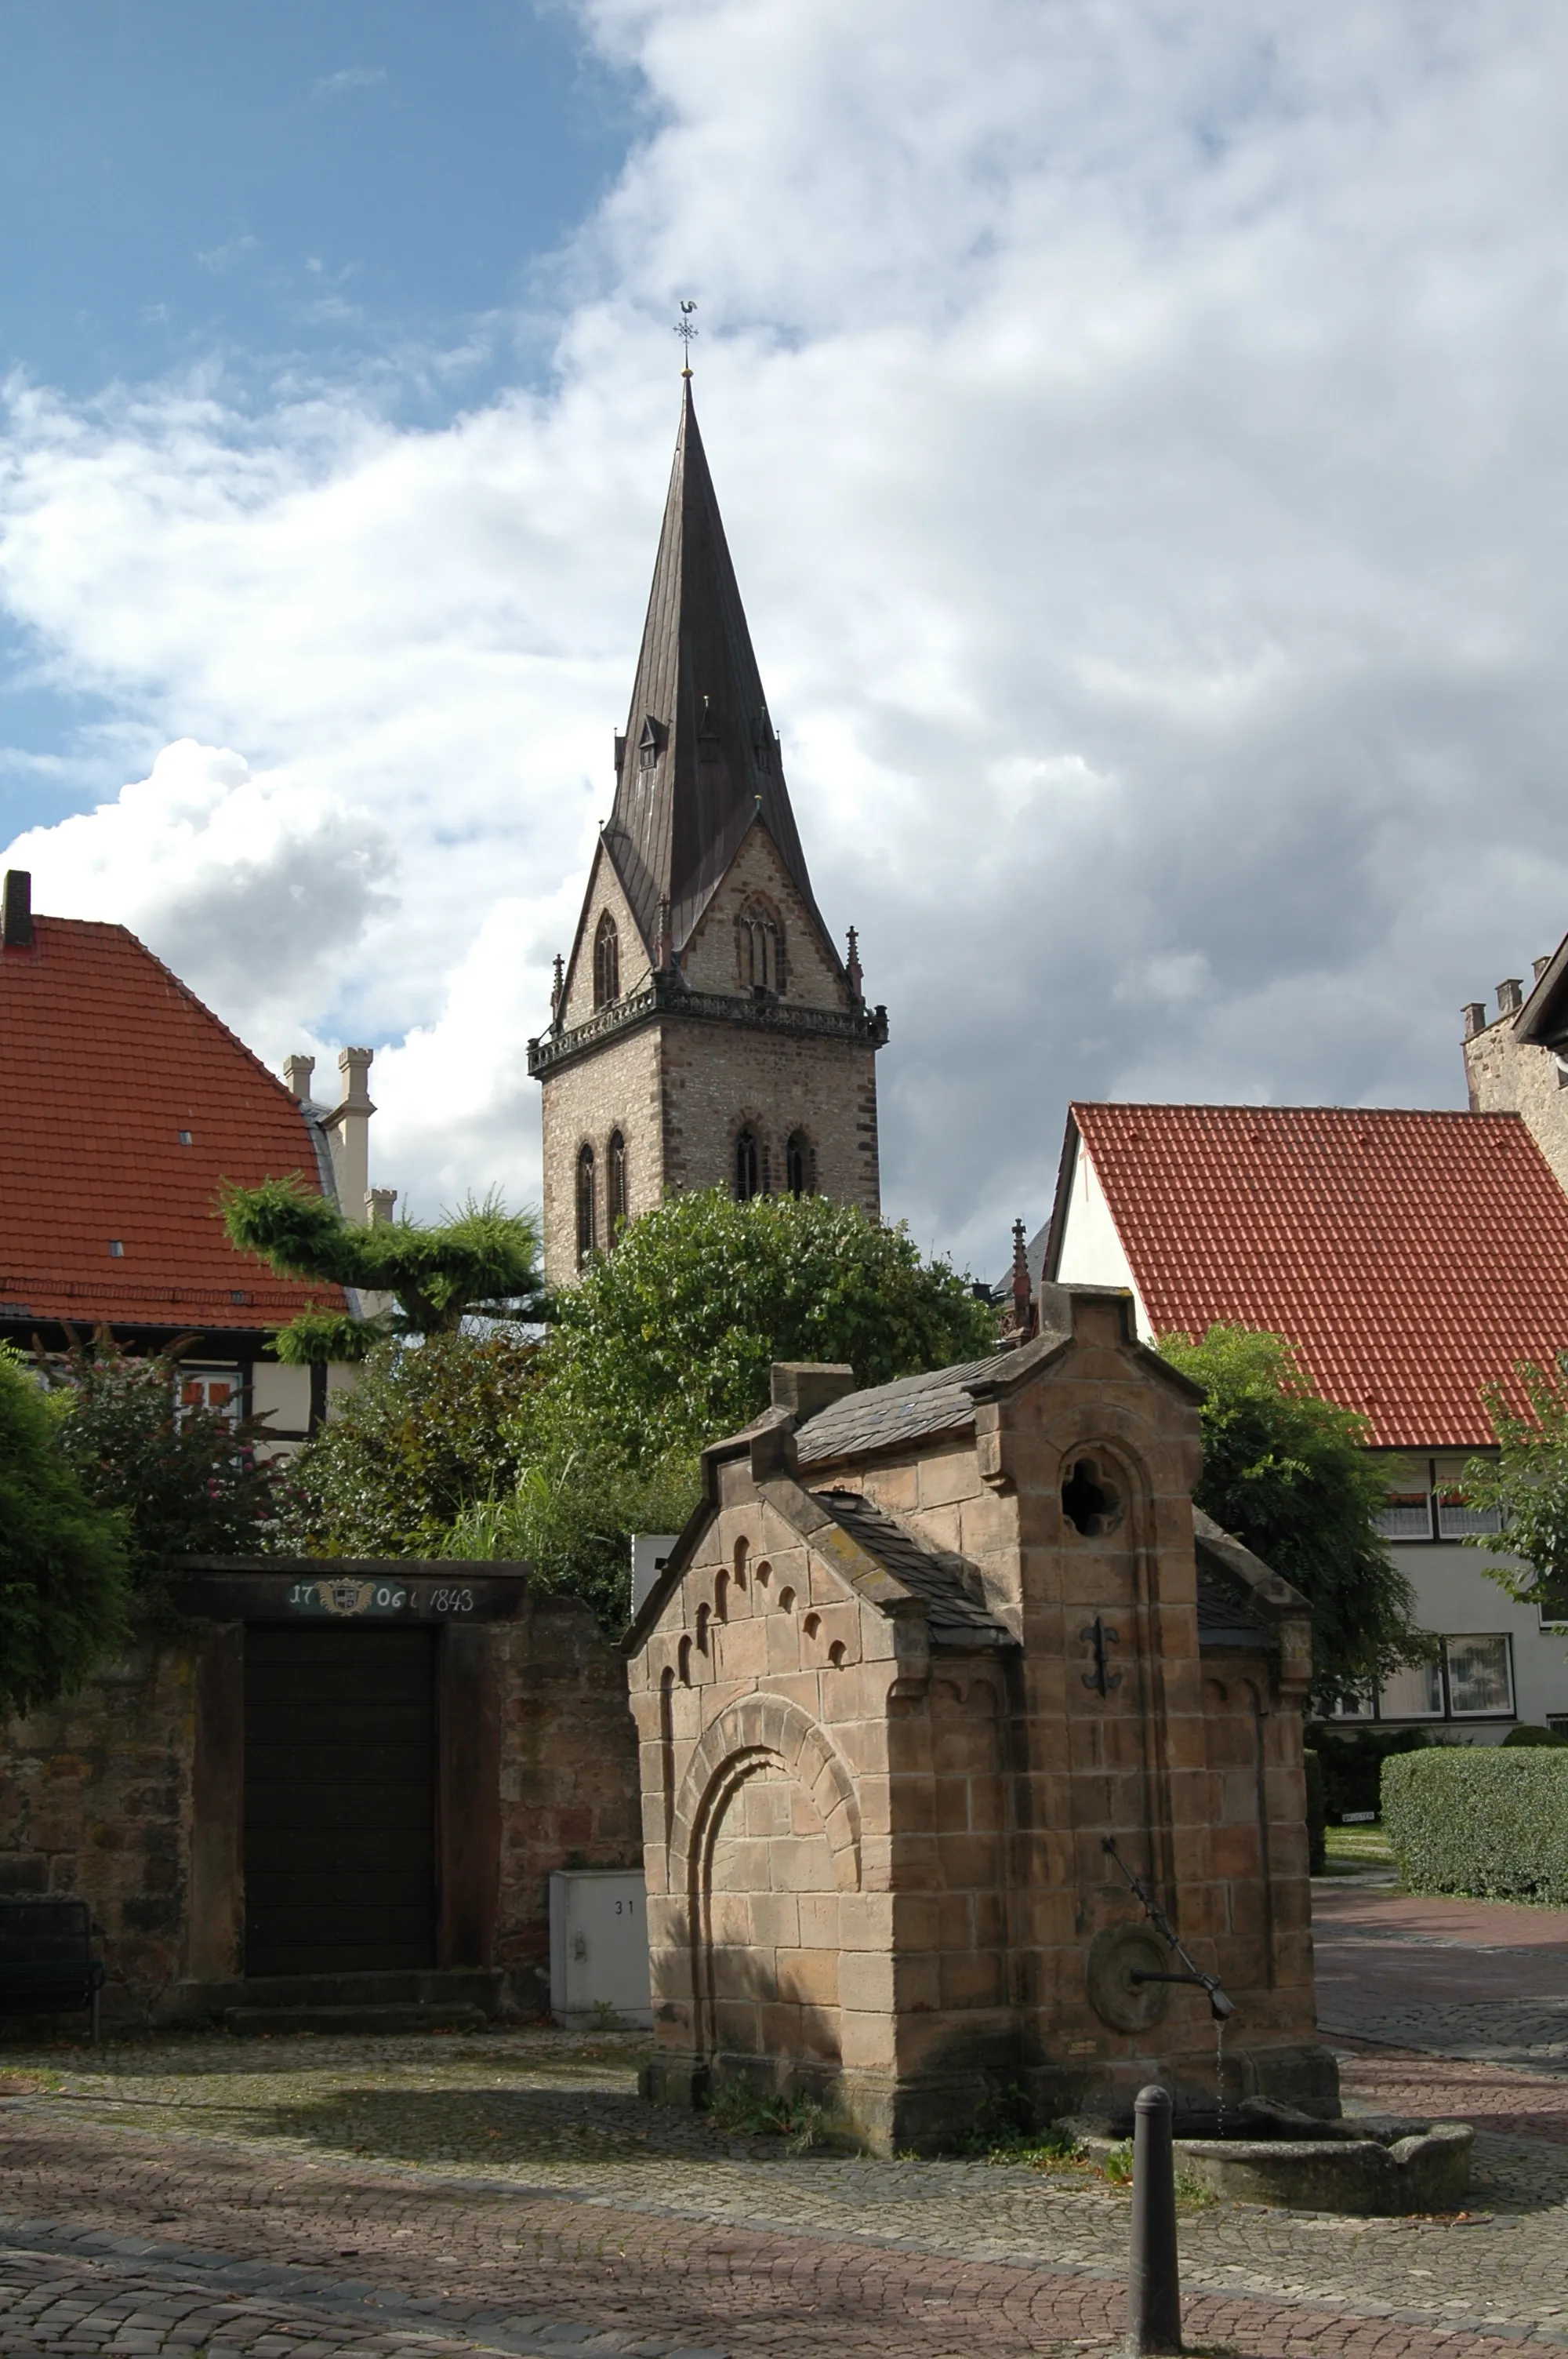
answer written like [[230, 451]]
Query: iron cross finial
[[685, 329]]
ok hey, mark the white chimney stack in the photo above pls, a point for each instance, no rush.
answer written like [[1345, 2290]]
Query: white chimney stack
[[348, 1128]]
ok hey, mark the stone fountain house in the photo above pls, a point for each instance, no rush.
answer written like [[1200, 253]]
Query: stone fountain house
[[921, 1650]]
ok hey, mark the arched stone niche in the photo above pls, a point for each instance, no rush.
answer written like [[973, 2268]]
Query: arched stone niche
[[766, 1838]]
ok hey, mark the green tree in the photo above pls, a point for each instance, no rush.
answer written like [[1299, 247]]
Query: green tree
[[185, 1480], [571, 1517], [430, 1429], [1291, 1475], [485, 1262], [1526, 1487], [64, 1578], [666, 1342]]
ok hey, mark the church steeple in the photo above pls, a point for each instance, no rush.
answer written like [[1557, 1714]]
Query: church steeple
[[705, 1032], [700, 761]]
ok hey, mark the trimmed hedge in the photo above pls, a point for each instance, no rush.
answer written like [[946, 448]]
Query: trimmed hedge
[[1479, 1819]]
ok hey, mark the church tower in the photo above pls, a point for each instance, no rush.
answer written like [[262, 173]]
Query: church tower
[[705, 1032]]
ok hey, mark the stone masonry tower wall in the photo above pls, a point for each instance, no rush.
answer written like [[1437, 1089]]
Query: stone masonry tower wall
[[705, 1032]]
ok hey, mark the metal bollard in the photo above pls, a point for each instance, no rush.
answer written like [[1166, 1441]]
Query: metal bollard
[[1155, 2286]]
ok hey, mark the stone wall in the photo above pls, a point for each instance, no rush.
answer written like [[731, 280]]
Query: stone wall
[[1507, 1075], [615, 1088], [569, 1775], [95, 1805], [718, 1077], [129, 1795]]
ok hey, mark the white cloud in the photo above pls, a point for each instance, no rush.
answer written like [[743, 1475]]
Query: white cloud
[[1137, 430], [334, 85]]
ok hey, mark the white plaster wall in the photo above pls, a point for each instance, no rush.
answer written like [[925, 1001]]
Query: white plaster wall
[[1092, 1251], [1453, 1597]]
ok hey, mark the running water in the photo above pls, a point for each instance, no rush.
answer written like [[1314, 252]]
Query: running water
[[1220, 2071]]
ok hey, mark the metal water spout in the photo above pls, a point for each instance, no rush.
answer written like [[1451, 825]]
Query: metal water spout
[[1221, 2007]]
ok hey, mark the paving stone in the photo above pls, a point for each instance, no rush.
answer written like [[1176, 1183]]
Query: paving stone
[[496, 2190]]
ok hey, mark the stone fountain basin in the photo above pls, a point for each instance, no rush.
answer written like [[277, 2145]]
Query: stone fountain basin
[[1372, 2163]]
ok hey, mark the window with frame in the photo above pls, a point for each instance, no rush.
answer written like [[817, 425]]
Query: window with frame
[[759, 941], [800, 1165], [606, 963], [1426, 1502], [221, 1390], [747, 1166], [1471, 1678], [615, 1176], [587, 1225]]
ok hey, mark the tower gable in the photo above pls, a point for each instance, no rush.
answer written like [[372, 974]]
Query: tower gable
[[606, 898], [757, 890]]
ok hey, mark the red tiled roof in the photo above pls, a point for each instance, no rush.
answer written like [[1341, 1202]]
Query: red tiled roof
[[1411, 1257], [105, 1058]]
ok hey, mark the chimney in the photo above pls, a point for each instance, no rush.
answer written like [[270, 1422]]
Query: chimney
[[348, 1127], [1475, 1017], [297, 1072], [1539, 966], [16, 911], [1510, 996], [379, 1203]]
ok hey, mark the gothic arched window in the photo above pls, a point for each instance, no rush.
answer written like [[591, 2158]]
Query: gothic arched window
[[748, 1165], [587, 1225], [615, 1194], [760, 941], [800, 1165], [606, 963]]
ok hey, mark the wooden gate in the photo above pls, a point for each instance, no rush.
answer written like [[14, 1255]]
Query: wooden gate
[[339, 1818]]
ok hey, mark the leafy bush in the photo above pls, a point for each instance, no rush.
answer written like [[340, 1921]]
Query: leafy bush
[[572, 1517], [1317, 1814], [185, 1479], [1352, 1761], [430, 1431], [1526, 1735], [1480, 1820], [64, 1579], [667, 1341]]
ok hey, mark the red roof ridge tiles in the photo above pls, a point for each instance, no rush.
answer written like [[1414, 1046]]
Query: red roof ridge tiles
[[1379, 1239]]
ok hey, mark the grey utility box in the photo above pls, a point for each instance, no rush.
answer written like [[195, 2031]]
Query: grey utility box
[[599, 1947]]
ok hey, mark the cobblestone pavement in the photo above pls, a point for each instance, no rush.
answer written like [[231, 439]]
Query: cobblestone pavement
[[297, 2198], [1409, 1971]]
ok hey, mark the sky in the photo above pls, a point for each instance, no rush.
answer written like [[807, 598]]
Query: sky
[[1139, 430]]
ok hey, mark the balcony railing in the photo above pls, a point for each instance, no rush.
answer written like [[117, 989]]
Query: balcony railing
[[665, 994]]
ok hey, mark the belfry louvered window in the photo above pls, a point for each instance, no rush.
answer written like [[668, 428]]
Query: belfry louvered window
[[606, 963], [615, 1178], [586, 1225]]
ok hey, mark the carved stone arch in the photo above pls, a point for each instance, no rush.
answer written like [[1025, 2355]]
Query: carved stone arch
[[748, 1734]]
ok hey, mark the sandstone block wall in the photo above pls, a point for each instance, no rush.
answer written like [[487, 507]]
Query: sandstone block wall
[[1510, 1076], [95, 1805], [130, 1797]]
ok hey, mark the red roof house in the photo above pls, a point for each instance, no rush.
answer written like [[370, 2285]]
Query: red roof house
[[1413, 1258], [126, 1104]]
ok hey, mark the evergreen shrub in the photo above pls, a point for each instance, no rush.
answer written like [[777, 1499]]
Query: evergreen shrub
[[1353, 1762], [1481, 1820], [1526, 1733]]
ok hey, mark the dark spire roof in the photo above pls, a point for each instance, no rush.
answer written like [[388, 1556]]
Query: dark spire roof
[[700, 760]]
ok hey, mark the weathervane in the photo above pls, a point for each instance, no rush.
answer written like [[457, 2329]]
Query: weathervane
[[685, 331]]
